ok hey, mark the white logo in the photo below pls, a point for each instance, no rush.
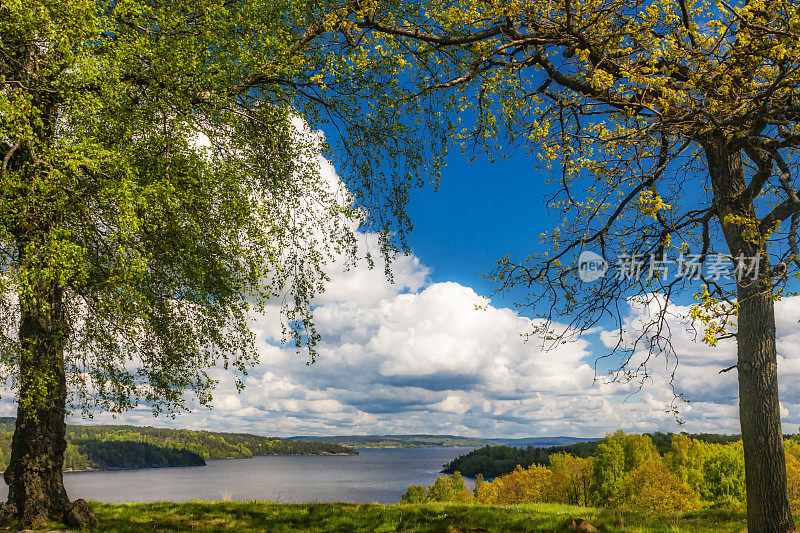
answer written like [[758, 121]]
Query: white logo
[[591, 266]]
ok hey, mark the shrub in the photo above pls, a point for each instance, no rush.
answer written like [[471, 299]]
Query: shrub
[[652, 487], [485, 491], [415, 494], [523, 485], [723, 474], [444, 489], [792, 448]]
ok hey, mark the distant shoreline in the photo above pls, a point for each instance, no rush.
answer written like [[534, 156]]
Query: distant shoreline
[[321, 454], [156, 467]]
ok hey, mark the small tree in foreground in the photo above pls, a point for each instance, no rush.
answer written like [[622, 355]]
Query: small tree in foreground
[[157, 189], [414, 494], [651, 487], [724, 475], [523, 485], [675, 124], [571, 478]]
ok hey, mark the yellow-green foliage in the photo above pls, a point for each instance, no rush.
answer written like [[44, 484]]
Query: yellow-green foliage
[[792, 448], [652, 487], [485, 492], [723, 475], [649, 486], [571, 479], [626, 472], [414, 494], [639, 449], [523, 485], [614, 459], [650, 203], [685, 459], [444, 489], [608, 472], [449, 489]]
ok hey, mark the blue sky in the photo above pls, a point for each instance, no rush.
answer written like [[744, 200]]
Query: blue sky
[[480, 212]]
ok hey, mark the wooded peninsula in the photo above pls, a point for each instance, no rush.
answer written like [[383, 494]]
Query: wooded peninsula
[[492, 461], [657, 472], [126, 447]]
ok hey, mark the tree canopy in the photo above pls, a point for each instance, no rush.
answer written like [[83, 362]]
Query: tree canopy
[[157, 171]]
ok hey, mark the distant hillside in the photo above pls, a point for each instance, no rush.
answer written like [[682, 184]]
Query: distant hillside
[[426, 440], [209, 444], [398, 441], [114, 455], [542, 441], [116, 447]]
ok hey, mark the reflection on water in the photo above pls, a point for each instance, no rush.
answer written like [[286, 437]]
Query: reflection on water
[[375, 475]]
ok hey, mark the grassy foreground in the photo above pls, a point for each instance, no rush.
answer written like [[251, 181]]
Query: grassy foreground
[[452, 518]]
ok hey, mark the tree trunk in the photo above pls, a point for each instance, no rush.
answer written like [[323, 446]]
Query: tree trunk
[[759, 410], [34, 475]]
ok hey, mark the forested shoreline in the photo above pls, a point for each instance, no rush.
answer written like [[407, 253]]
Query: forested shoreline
[[491, 461], [667, 473], [128, 447]]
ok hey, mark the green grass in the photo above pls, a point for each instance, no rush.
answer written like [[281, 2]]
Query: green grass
[[452, 518]]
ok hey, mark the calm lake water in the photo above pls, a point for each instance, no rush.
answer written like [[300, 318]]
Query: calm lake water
[[375, 475]]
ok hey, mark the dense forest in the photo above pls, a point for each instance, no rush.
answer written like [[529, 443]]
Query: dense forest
[[112, 455], [492, 461], [656, 472], [112, 447]]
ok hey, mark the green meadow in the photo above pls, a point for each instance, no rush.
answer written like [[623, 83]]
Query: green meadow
[[452, 518]]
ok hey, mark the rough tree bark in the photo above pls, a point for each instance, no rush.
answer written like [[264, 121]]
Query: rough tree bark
[[759, 412], [757, 367], [34, 475]]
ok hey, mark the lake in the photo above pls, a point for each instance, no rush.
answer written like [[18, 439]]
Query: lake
[[375, 475]]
